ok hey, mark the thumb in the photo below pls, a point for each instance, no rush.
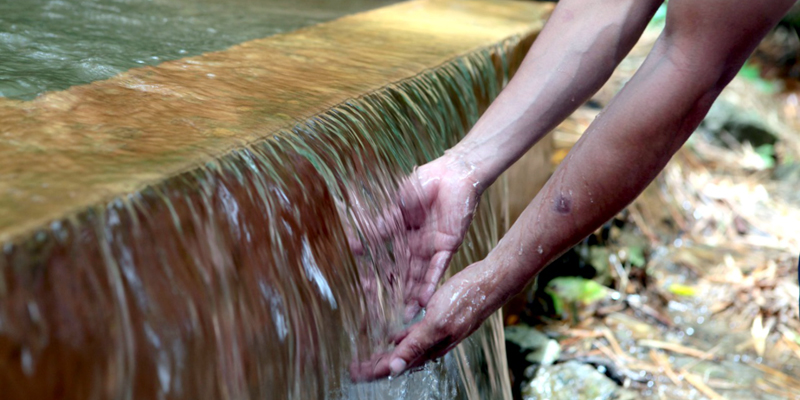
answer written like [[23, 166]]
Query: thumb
[[415, 349]]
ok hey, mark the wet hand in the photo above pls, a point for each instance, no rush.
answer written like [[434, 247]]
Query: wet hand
[[453, 313], [436, 207]]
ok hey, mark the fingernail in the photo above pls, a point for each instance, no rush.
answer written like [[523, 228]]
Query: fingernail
[[397, 366]]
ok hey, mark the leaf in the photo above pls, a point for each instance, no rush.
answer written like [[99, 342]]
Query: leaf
[[682, 290], [543, 350], [636, 256], [634, 246], [574, 289], [545, 355], [558, 304], [767, 154], [751, 73], [759, 333]]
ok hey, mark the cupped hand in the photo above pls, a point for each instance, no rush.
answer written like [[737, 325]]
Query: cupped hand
[[454, 312], [436, 206], [432, 213]]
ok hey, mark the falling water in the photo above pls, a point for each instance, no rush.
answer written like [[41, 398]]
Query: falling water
[[236, 280]]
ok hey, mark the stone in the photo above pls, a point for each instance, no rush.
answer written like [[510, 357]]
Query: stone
[[743, 126], [542, 350], [573, 381]]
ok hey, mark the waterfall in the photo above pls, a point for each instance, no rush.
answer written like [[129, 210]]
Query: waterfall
[[235, 279]]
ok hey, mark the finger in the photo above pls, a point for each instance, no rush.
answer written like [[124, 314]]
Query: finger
[[371, 224], [422, 242], [414, 285], [411, 311], [356, 247], [415, 349], [390, 222], [412, 204], [369, 286], [353, 241], [376, 367], [399, 336], [415, 275], [401, 213], [410, 345], [439, 264]]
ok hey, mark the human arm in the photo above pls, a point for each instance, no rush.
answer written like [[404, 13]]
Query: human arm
[[701, 49], [573, 56]]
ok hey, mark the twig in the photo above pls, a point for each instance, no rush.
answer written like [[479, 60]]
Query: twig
[[767, 388], [639, 221], [675, 348], [583, 333], [662, 361], [711, 353], [698, 383], [794, 347], [778, 377], [612, 341]]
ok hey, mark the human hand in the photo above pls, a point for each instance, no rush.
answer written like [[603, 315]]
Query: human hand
[[454, 312], [428, 222], [436, 207]]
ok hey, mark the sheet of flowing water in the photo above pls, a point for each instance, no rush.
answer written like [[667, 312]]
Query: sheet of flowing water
[[54, 44], [236, 280]]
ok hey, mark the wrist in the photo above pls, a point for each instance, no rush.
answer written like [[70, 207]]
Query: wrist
[[466, 160], [518, 261]]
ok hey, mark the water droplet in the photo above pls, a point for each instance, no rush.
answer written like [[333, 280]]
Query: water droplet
[[26, 359]]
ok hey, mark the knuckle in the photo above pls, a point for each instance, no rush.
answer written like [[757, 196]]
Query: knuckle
[[441, 327], [415, 349]]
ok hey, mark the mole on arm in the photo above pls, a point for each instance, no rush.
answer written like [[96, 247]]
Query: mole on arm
[[562, 204]]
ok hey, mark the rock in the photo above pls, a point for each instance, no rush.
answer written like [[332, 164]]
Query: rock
[[545, 355], [744, 126], [542, 350], [573, 381]]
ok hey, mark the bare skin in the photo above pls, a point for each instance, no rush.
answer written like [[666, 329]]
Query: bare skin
[[702, 47]]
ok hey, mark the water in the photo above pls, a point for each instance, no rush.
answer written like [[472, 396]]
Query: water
[[48, 45], [236, 280]]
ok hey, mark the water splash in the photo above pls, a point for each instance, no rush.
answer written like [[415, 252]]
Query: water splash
[[235, 280]]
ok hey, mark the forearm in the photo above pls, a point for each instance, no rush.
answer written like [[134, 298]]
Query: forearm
[[574, 55], [640, 130], [623, 150]]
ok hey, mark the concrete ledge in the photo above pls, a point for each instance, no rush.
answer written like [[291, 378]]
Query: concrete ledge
[[66, 151]]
